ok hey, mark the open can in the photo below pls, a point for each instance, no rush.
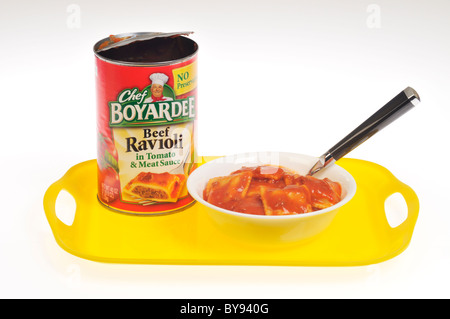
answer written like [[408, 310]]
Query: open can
[[146, 121]]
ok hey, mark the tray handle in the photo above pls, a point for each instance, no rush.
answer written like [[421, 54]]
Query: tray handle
[[50, 197], [404, 231], [412, 202]]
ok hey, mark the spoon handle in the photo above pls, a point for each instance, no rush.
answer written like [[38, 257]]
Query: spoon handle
[[395, 108]]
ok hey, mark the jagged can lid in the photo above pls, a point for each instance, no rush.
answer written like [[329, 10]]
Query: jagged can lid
[[114, 41]]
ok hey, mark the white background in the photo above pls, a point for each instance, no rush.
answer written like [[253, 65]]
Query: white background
[[291, 76]]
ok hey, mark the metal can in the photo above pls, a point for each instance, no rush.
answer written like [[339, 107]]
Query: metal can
[[146, 121]]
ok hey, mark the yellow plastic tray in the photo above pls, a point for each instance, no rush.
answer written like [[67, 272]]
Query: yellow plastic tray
[[359, 235]]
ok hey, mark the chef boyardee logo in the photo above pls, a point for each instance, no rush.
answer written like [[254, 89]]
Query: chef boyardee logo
[[154, 105]]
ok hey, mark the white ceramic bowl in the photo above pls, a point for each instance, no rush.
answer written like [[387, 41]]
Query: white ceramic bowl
[[262, 229]]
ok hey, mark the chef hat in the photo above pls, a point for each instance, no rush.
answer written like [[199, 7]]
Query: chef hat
[[159, 78]]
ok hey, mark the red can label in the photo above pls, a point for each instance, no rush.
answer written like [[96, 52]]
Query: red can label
[[146, 135]]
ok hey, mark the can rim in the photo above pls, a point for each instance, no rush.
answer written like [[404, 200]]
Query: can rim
[[127, 63]]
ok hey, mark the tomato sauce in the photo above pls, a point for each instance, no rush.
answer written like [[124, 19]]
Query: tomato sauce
[[271, 190]]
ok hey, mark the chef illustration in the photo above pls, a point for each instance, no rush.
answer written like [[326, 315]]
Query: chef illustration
[[158, 81]]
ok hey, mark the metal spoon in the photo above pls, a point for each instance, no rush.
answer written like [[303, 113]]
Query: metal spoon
[[395, 108]]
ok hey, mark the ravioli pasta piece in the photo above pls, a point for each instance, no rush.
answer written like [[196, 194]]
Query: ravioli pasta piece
[[324, 192], [266, 172], [289, 200], [162, 187], [225, 191]]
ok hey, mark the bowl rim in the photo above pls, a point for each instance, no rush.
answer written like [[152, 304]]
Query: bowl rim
[[349, 192]]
